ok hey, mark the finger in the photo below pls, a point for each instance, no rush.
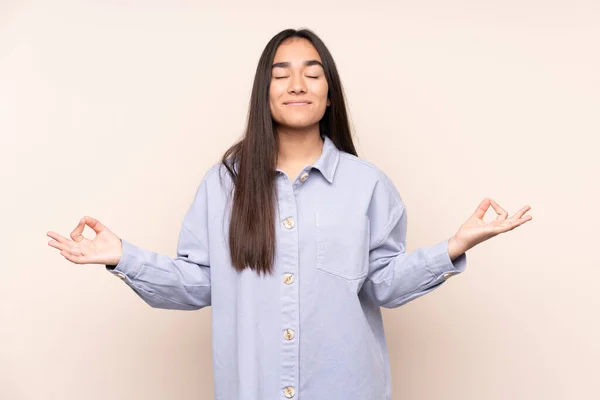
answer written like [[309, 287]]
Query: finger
[[76, 235], [94, 224], [509, 226], [74, 249], [482, 208], [57, 237], [518, 222], [57, 245], [502, 214], [73, 258], [520, 213], [524, 219]]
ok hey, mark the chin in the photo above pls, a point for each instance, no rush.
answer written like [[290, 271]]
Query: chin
[[298, 125]]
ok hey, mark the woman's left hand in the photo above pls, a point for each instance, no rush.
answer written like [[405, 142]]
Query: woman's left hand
[[475, 230]]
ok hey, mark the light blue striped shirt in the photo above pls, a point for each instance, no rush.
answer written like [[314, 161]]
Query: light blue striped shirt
[[314, 329]]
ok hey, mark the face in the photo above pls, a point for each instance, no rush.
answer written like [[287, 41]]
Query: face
[[297, 76]]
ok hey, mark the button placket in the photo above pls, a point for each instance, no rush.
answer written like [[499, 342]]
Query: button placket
[[288, 279], [304, 177], [288, 334], [289, 222], [289, 258], [289, 392]]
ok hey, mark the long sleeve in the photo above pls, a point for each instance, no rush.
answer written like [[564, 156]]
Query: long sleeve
[[396, 277], [180, 283]]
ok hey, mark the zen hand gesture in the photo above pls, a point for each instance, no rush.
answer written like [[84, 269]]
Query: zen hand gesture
[[475, 230], [106, 248]]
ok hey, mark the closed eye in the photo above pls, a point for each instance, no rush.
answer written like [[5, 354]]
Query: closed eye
[[282, 77]]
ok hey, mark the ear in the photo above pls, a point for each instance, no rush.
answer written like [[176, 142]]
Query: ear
[[328, 102]]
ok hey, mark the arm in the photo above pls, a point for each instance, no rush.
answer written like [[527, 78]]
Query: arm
[[180, 283], [396, 277]]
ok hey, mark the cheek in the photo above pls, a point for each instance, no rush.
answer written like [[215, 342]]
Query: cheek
[[321, 90], [276, 87], [275, 94], [272, 95], [274, 99]]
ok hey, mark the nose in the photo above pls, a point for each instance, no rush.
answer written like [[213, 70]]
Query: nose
[[296, 85]]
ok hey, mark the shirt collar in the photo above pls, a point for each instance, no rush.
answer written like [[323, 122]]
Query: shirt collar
[[329, 159]]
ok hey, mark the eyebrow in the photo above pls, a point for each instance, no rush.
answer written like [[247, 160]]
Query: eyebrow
[[286, 64]]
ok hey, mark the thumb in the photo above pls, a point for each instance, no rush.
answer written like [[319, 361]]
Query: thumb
[[482, 208]]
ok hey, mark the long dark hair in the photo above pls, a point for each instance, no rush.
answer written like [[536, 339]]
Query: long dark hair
[[252, 161]]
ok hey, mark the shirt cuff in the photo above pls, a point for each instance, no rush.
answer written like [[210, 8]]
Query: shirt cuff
[[132, 259], [439, 263]]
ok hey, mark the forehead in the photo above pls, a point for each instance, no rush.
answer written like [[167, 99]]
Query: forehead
[[296, 51]]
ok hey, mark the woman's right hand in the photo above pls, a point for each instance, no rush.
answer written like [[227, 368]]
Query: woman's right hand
[[106, 248]]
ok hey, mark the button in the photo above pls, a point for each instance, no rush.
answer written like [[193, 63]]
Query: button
[[120, 275], [288, 279], [289, 392], [449, 274], [304, 177], [288, 222], [288, 334]]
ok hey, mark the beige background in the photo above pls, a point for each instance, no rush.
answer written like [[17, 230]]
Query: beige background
[[115, 109]]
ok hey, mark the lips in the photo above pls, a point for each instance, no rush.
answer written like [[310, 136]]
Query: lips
[[297, 103]]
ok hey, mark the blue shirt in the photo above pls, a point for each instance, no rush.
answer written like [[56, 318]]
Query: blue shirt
[[314, 329]]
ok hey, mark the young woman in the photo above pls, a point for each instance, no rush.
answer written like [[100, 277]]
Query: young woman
[[295, 242]]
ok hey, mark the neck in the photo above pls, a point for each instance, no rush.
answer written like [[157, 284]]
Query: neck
[[299, 147]]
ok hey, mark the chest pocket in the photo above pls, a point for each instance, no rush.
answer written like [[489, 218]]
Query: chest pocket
[[342, 244]]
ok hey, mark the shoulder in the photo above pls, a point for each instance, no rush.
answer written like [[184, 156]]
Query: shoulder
[[367, 173], [215, 174]]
